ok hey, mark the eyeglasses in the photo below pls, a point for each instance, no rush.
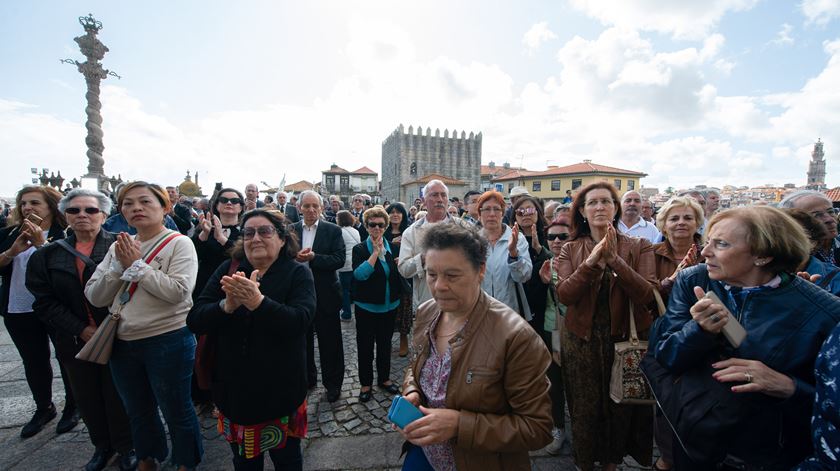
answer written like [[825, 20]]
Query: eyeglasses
[[526, 211], [91, 210], [224, 200], [372, 225], [561, 236], [264, 231], [490, 209], [821, 214]]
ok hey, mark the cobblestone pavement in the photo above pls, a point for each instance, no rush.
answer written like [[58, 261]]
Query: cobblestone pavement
[[344, 435]]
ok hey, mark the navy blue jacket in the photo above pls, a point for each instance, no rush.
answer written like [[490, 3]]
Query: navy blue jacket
[[785, 328]]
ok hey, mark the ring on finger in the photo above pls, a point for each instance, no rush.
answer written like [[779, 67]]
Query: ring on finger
[[715, 318], [748, 376]]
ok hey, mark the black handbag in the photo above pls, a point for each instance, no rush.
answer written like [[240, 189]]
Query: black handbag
[[705, 415]]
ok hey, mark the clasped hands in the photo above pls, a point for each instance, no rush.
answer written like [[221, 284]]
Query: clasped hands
[[305, 255], [606, 250], [242, 291], [30, 236], [208, 223], [436, 425]]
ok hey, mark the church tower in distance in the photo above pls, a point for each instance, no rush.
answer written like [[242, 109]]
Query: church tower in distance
[[816, 168]]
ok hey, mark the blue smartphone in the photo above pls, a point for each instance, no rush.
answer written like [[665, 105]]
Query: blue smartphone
[[403, 412]]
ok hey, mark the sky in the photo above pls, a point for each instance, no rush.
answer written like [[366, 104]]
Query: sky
[[691, 92]]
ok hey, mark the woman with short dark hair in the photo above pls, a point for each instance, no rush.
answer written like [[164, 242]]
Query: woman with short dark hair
[[256, 310], [479, 372], [405, 311]]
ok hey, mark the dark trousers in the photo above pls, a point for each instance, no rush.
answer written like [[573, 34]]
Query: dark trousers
[[330, 346], [346, 278], [288, 458], [100, 405], [32, 339], [152, 372], [374, 328], [556, 392]]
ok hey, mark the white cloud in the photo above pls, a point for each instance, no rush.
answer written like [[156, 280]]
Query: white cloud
[[688, 19], [538, 34], [783, 37], [820, 12]]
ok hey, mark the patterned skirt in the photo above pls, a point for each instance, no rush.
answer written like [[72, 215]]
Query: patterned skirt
[[405, 314], [253, 440]]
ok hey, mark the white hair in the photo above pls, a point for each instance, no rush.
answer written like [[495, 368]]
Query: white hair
[[790, 200], [103, 202], [435, 183]]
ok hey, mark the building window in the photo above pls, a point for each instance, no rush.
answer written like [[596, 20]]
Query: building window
[[345, 183], [331, 183], [576, 183], [536, 186], [555, 185], [617, 184], [500, 187], [510, 187], [631, 185]]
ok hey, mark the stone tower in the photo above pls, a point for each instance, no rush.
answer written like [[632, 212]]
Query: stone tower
[[816, 168], [413, 156]]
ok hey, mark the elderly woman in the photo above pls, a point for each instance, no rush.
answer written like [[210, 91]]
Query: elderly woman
[[35, 221], [150, 278], [558, 234], [751, 258], [678, 222], [350, 234], [600, 274], [479, 373], [508, 261], [376, 294], [256, 310], [56, 277], [216, 233], [821, 273]]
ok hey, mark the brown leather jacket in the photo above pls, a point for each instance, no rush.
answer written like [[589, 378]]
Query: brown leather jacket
[[666, 263], [635, 279], [497, 383]]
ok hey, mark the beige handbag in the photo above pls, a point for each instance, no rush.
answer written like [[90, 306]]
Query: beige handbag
[[627, 383]]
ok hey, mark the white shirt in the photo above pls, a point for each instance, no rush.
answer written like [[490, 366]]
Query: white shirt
[[20, 299], [351, 239], [308, 235], [641, 229]]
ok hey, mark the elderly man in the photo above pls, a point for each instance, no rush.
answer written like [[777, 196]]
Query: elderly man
[[818, 205], [631, 222], [252, 197], [647, 211], [712, 203], [322, 248], [287, 209], [412, 264]]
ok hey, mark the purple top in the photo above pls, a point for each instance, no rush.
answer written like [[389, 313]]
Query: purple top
[[434, 378]]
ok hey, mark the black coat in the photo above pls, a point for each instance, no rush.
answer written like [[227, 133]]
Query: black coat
[[60, 301], [8, 235], [259, 372], [210, 255], [291, 213], [535, 290], [372, 290], [329, 257]]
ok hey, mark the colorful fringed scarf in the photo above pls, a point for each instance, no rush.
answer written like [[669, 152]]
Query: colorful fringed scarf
[[253, 440]]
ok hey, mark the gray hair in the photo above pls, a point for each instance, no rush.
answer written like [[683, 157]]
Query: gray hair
[[103, 202], [630, 191], [434, 183], [790, 200], [306, 193], [283, 194], [710, 191]]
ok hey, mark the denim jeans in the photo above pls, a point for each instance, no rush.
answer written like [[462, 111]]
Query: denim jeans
[[346, 278], [152, 372]]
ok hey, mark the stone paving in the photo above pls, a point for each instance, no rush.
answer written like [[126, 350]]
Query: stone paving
[[344, 435]]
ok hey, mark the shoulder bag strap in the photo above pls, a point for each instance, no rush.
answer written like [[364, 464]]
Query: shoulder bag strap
[[84, 258], [634, 336], [150, 255], [660, 306]]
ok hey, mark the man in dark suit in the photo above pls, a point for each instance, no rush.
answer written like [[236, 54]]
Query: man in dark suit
[[322, 248], [288, 209]]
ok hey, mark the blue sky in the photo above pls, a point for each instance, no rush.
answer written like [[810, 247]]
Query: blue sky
[[693, 92]]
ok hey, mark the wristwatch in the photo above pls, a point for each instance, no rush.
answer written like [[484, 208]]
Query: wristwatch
[[222, 304]]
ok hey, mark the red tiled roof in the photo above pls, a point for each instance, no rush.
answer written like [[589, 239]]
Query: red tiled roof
[[589, 167], [833, 194], [515, 175], [364, 171], [496, 170], [436, 176]]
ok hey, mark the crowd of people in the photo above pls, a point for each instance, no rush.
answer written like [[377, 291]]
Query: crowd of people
[[510, 311]]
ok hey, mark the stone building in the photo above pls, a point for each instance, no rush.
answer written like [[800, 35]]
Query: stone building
[[816, 168], [345, 184], [410, 158]]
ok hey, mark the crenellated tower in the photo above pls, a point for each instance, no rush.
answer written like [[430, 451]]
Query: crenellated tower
[[816, 168], [414, 155]]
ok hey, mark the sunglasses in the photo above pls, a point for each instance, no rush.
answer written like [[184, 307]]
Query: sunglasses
[[79, 210], [561, 236], [224, 200], [526, 211], [380, 225], [264, 231]]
